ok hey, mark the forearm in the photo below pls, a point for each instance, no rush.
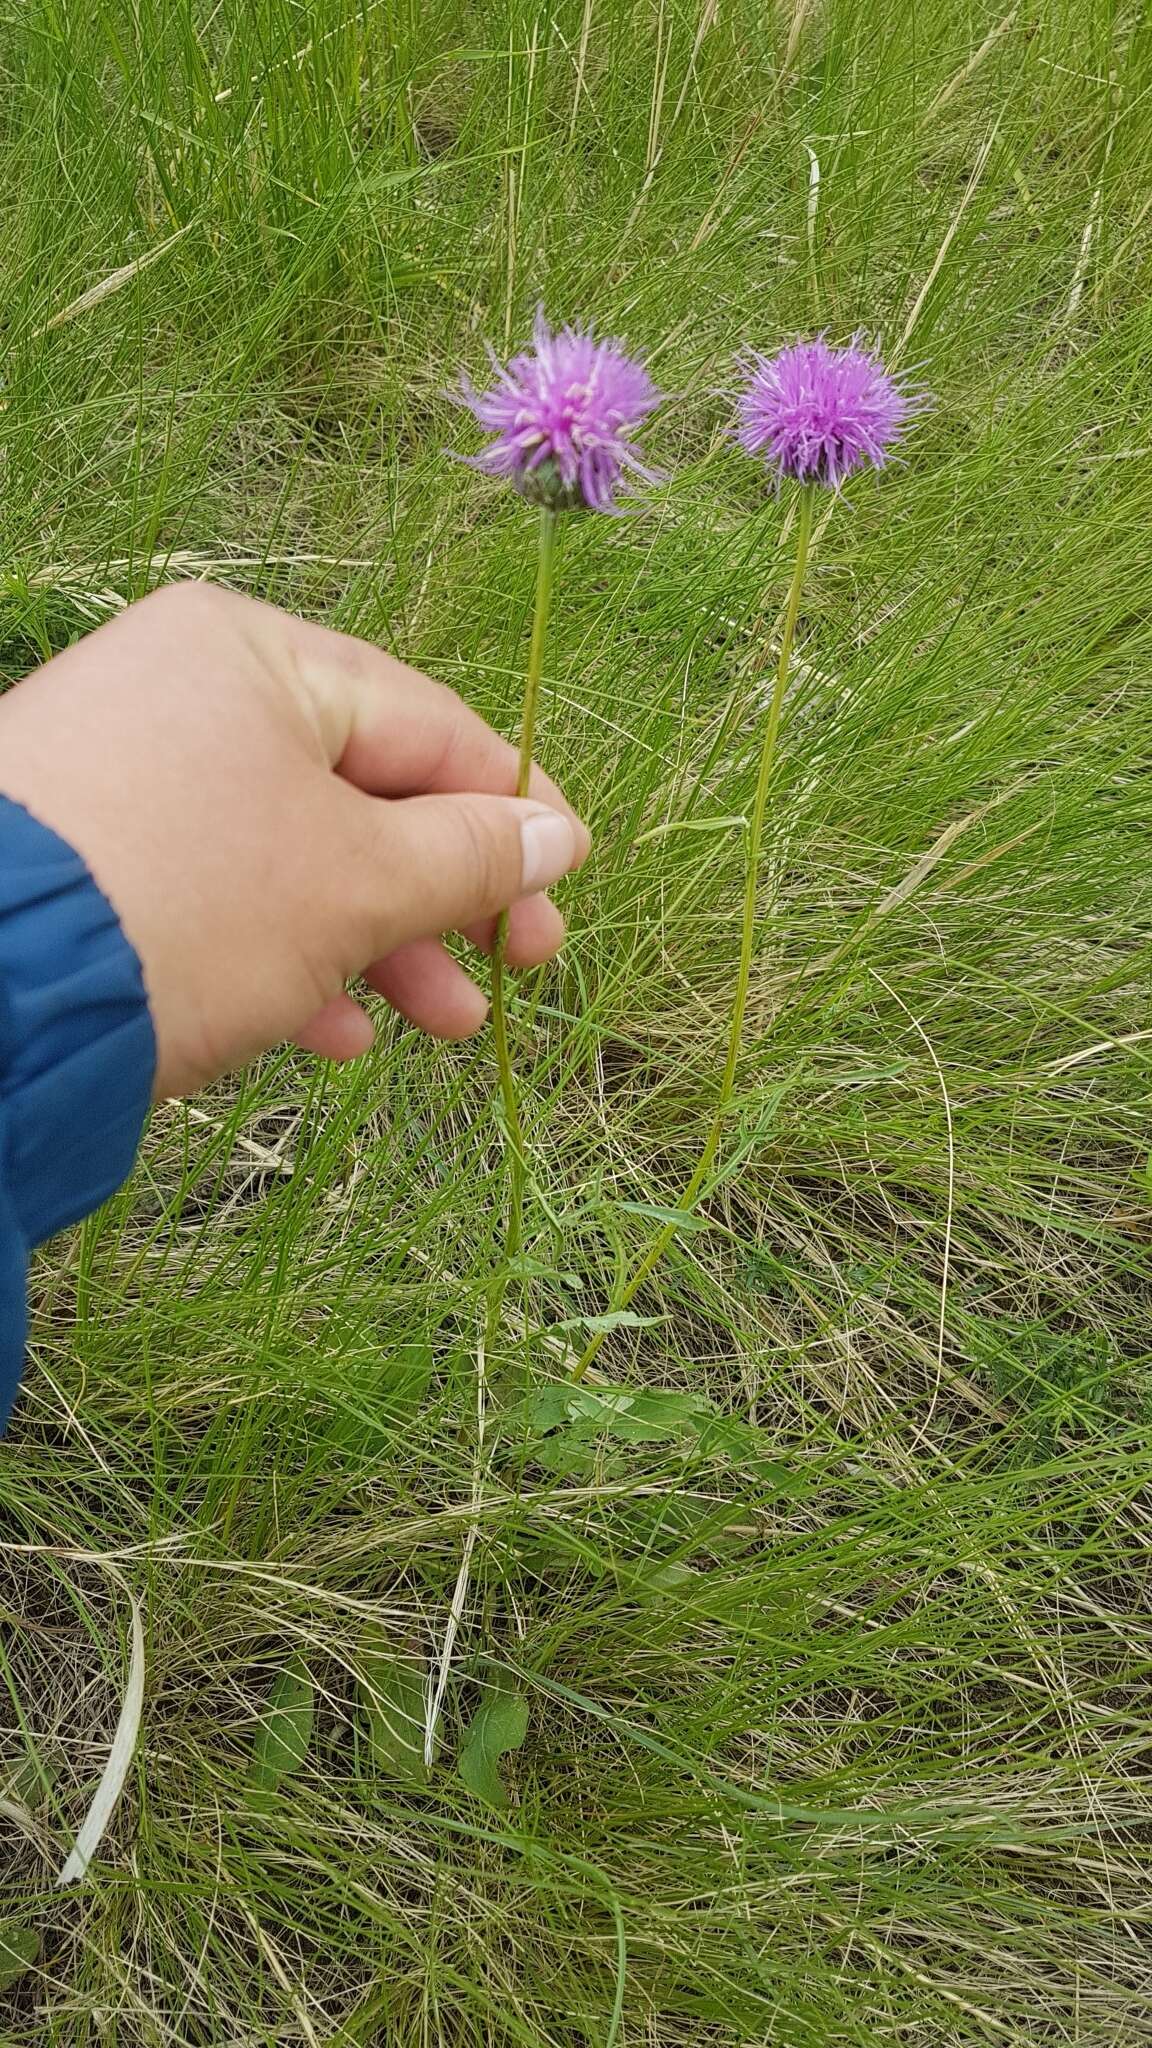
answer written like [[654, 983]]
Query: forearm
[[77, 1055]]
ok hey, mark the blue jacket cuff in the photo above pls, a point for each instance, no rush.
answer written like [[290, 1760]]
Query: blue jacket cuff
[[77, 1055]]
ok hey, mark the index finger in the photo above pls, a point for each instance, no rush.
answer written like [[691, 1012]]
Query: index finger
[[395, 732]]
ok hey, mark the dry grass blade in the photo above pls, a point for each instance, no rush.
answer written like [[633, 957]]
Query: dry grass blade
[[114, 282], [460, 1589], [120, 1756], [973, 63], [969, 194]]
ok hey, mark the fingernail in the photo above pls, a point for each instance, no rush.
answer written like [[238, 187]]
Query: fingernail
[[548, 849]]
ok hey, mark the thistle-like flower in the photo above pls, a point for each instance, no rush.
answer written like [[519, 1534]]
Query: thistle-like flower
[[562, 415], [816, 413]]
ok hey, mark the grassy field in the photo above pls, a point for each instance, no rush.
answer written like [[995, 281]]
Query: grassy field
[[826, 1720]]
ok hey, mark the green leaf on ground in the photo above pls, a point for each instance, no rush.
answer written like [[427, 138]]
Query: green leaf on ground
[[284, 1730], [615, 1319], [408, 1376], [571, 1424], [646, 1415], [19, 1950], [393, 1689], [30, 1782], [546, 1409], [498, 1727], [653, 1212], [602, 1326]]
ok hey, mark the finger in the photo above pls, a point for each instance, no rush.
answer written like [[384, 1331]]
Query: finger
[[340, 1031], [430, 988], [431, 864], [394, 732], [535, 932]]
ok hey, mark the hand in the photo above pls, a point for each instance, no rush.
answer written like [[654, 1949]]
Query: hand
[[273, 809]]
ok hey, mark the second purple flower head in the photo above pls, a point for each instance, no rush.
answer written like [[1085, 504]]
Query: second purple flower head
[[562, 416], [817, 413]]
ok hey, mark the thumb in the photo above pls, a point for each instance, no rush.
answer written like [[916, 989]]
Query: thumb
[[441, 862]]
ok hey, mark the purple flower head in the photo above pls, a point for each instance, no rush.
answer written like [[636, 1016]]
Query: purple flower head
[[816, 413], [562, 415]]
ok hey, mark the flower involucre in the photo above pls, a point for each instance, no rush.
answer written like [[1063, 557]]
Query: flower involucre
[[816, 413], [562, 416]]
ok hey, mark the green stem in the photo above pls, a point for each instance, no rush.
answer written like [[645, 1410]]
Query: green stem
[[659, 1245], [545, 564]]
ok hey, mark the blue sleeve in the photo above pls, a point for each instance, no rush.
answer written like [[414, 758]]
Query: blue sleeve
[[77, 1056]]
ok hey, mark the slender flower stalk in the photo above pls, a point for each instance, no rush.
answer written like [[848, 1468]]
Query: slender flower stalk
[[661, 1242], [562, 417], [814, 414], [517, 1165]]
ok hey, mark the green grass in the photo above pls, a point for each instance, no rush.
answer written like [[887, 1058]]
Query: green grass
[[838, 1715]]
